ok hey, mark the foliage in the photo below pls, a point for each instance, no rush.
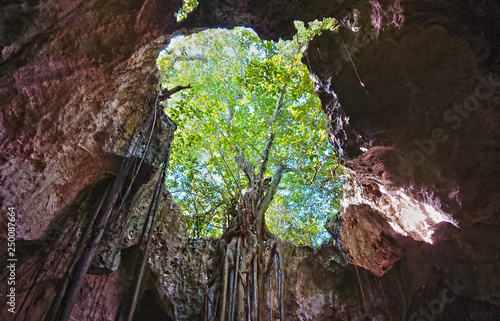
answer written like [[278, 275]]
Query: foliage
[[314, 28], [238, 81], [300, 217], [187, 7]]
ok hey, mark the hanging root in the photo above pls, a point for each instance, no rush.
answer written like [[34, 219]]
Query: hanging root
[[235, 283], [279, 280], [271, 295], [248, 305], [108, 213], [237, 286], [225, 286], [274, 263]]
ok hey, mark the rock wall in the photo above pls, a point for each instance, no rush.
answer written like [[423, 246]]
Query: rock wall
[[411, 90], [414, 110], [75, 77], [72, 74]]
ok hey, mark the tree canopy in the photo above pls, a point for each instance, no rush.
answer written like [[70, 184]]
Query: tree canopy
[[250, 98]]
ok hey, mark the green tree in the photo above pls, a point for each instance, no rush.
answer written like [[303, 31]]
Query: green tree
[[250, 130], [244, 90]]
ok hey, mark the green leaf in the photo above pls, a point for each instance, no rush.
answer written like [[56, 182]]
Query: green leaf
[[237, 81]]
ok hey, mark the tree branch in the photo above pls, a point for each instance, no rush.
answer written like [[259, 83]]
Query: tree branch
[[265, 157], [270, 139], [196, 57], [231, 173], [267, 120], [279, 103], [247, 167], [266, 200], [170, 92], [242, 64]]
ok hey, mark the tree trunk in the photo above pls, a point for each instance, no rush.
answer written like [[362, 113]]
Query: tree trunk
[[247, 278]]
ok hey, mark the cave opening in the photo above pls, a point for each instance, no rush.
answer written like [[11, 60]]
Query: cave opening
[[251, 163], [244, 103]]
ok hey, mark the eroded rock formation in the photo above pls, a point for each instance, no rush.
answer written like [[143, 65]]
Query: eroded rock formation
[[411, 90], [413, 114]]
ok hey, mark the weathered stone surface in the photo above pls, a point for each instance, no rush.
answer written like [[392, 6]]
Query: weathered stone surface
[[412, 113], [67, 88]]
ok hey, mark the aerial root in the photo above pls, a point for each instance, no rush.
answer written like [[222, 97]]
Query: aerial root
[[236, 293]]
